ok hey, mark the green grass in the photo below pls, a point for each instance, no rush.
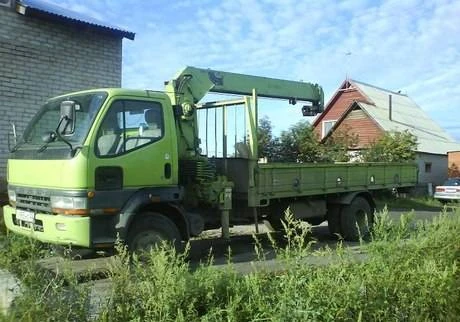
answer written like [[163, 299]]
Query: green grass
[[409, 203], [411, 274]]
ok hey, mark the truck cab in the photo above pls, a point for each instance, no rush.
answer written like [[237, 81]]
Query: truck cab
[[68, 183]]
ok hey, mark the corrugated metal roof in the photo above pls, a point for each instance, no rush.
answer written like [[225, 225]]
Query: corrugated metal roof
[[406, 115], [52, 11]]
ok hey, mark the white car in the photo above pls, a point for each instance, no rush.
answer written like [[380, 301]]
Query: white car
[[449, 191]]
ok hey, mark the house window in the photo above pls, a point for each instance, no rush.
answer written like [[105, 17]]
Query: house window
[[327, 126], [427, 167]]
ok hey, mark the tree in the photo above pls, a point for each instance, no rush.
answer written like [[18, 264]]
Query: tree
[[265, 140], [299, 144], [336, 147], [392, 147]]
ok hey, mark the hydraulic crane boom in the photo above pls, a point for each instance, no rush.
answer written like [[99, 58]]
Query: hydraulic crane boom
[[192, 84]]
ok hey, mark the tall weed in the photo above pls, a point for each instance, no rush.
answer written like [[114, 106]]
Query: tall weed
[[411, 274]]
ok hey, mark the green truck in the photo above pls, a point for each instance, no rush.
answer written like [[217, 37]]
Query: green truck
[[106, 164]]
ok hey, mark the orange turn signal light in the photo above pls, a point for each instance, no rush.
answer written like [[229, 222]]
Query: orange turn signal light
[[74, 212]]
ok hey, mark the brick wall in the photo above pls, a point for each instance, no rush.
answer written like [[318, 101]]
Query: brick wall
[[454, 163], [40, 59]]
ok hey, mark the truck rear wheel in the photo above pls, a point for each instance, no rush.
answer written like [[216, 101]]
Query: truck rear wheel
[[150, 230], [356, 220]]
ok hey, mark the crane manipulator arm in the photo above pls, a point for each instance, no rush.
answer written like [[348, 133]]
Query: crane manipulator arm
[[191, 84]]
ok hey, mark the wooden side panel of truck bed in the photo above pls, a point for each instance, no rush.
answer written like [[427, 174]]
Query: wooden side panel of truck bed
[[290, 180]]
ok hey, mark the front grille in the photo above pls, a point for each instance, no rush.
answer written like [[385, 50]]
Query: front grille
[[33, 202]]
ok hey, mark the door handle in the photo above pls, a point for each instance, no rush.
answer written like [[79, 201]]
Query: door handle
[[167, 170]]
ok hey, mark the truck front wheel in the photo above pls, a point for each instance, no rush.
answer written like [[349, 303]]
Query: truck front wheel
[[150, 230], [356, 219], [277, 211]]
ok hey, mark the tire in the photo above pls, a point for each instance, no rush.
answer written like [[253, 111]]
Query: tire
[[276, 215], [150, 230], [333, 219], [356, 220]]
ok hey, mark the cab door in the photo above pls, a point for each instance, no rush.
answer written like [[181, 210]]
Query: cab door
[[134, 145]]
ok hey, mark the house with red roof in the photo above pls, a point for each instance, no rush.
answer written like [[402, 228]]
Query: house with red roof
[[368, 112]]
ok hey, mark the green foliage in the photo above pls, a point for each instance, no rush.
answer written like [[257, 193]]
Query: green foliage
[[411, 274], [266, 144], [408, 203], [300, 143], [43, 297], [336, 146], [16, 249], [392, 147], [50, 298]]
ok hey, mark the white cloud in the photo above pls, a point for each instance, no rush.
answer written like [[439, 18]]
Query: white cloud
[[410, 45]]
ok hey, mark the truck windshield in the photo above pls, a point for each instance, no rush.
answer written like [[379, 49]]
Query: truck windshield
[[48, 117]]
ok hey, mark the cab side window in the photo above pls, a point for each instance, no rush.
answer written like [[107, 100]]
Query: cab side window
[[129, 125]]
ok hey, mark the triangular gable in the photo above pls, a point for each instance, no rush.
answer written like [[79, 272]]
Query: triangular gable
[[350, 108], [346, 85]]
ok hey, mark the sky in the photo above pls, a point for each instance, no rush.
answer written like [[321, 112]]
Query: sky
[[411, 45]]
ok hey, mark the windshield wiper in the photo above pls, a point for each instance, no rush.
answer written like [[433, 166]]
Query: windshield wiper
[[51, 136], [17, 146], [48, 137]]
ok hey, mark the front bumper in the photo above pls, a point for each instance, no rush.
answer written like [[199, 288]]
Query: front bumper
[[73, 230], [447, 196]]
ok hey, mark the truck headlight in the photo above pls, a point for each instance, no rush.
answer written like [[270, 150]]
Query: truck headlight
[[69, 205], [12, 196]]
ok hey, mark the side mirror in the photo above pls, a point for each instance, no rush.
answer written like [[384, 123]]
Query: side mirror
[[68, 116]]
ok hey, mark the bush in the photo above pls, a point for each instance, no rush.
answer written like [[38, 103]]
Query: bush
[[410, 274], [392, 147]]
